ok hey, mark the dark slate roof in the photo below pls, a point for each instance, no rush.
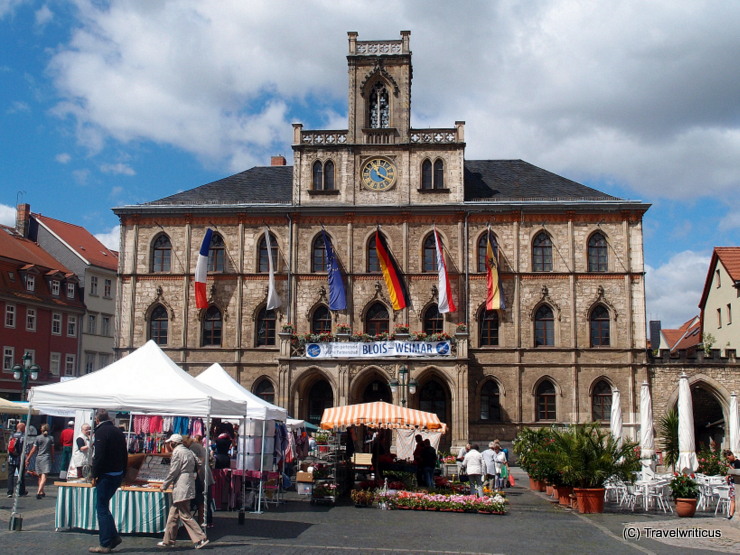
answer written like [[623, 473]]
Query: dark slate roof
[[517, 180], [485, 181], [259, 185]]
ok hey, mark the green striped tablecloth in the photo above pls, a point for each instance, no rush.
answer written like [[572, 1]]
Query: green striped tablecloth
[[133, 511]]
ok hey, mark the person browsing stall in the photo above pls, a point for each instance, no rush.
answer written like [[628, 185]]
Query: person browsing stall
[[43, 448], [81, 450]]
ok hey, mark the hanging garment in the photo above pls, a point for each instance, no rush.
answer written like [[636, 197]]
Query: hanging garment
[[155, 424]]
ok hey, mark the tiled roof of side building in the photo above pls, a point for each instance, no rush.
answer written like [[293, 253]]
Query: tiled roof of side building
[[84, 243], [517, 180], [259, 185], [15, 247], [730, 257]]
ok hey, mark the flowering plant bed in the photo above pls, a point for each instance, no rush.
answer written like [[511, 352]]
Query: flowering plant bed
[[496, 504]]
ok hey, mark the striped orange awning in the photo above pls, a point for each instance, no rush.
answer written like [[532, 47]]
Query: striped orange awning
[[380, 415]]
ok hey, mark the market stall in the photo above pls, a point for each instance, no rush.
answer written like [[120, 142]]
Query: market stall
[[258, 438], [144, 382]]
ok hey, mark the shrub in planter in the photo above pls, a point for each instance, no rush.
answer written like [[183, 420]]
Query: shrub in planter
[[685, 492]]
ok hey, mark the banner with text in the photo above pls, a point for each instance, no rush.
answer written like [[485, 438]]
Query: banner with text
[[379, 349]]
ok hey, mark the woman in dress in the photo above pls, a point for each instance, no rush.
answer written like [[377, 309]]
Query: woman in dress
[[181, 476], [81, 450], [44, 449]]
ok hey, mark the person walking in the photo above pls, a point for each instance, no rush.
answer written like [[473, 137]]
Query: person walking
[[43, 448], [734, 464], [204, 480], [473, 463], [182, 473], [428, 462], [110, 458], [66, 438], [14, 461], [81, 451], [499, 460], [489, 467]]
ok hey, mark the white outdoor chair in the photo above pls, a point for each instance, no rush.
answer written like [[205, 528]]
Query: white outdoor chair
[[659, 494], [634, 494], [723, 500]]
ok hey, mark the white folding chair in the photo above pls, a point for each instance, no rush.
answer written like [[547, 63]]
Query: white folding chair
[[723, 500]]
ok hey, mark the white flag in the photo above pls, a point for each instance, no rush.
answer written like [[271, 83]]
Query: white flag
[[446, 304], [273, 300]]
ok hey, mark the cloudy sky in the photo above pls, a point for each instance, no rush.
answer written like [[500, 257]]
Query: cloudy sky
[[107, 103]]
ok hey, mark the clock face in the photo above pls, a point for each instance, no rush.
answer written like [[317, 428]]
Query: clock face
[[378, 174]]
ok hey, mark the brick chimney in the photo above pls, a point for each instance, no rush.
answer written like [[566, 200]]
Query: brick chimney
[[22, 218], [278, 161]]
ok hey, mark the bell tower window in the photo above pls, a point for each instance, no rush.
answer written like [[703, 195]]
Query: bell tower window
[[379, 107]]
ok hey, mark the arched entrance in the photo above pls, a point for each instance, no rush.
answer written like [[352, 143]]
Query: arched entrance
[[376, 390], [709, 420], [320, 396], [434, 396]]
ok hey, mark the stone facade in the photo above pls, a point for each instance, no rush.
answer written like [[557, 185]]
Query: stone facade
[[406, 213]]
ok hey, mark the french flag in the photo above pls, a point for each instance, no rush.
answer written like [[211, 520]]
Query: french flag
[[201, 271]]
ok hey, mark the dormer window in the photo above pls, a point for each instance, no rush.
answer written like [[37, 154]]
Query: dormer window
[[30, 283], [55, 287], [379, 107], [70, 290]]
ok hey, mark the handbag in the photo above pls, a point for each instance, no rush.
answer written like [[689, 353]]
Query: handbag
[[504, 471], [512, 482]]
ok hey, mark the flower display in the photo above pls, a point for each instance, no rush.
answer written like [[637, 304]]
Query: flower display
[[496, 504], [324, 489], [343, 328], [462, 327], [684, 487], [287, 328], [362, 496], [711, 463], [401, 328]]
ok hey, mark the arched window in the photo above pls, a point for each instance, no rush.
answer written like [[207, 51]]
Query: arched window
[[379, 116], [318, 254], [439, 174], [488, 328], [429, 260], [483, 250], [432, 398], [599, 325], [321, 320], [266, 327], [318, 176], [159, 325], [323, 176], [212, 327], [320, 397], [216, 254], [263, 264], [601, 401], [433, 320], [377, 320], [373, 264], [426, 175], [544, 327], [598, 260], [490, 407], [161, 253], [546, 401], [265, 390], [542, 253]]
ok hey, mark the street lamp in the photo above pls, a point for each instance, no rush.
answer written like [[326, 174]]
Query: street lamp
[[407, 386], [25, 371]]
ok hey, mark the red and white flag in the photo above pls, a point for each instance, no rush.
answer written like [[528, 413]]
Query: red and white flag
[[273, 299], [446, 304], [201, 271]]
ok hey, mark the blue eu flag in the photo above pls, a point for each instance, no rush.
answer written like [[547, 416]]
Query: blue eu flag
[[337, 299]]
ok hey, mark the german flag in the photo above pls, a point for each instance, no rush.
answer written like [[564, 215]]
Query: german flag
[[392, 275]]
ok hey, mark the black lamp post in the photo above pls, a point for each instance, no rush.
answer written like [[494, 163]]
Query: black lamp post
[[24, 372], [406, 385]]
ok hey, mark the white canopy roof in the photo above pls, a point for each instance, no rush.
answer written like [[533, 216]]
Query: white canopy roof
[[257, 408], [145, 381]]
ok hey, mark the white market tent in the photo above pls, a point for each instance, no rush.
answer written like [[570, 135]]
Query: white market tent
[[146, 381], [257, 408]]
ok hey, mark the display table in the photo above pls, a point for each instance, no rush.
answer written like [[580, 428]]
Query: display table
[[134, 509]]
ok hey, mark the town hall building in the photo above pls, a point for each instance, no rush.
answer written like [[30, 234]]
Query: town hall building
[[570, 263]]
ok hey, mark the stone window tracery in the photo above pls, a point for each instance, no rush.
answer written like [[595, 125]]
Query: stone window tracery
[[379, 107]]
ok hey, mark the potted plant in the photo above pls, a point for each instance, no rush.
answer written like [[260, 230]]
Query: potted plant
[[343, 329], [287, 328], [685, 492], [461, 328], [362, 497], [585, 456], [401, 329], [668, 430]]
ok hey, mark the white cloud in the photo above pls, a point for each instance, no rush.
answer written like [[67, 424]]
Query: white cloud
[[7, 215], [635, 93], [43, 15], [120, 169], [63, 158], [673, 290], [18, 107], [111, 238], [730, 221]]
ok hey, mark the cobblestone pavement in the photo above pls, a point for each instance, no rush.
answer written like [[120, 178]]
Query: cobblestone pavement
[[534, 524]]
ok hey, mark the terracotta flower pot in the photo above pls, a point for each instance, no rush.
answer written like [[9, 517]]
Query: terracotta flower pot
[[590, 500], [685, 507], [548, 490], [564, 495]]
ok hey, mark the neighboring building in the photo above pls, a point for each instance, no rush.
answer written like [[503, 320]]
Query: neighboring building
[[720, 300], [687, 336], [95, 265], [42, 312], [571, 263]]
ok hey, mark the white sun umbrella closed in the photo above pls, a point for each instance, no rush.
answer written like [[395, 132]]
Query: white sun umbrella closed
[[647, 435], [687, 461], [734, 425], [615, 422]]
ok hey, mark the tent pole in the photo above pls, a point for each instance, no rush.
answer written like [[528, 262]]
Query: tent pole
[[16, 519], [243, 453], [262, 464], [206, 470]]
